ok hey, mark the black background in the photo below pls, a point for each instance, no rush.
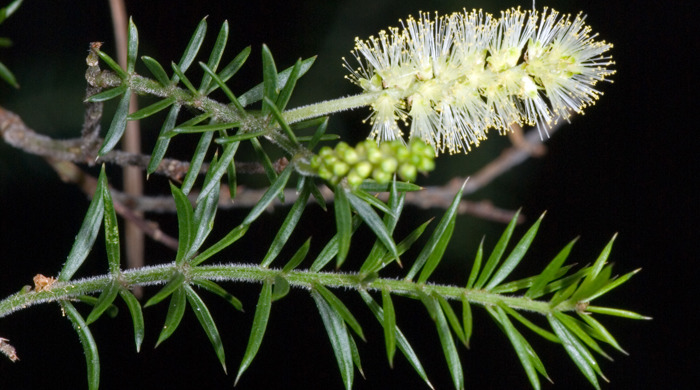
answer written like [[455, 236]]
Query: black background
[[623, 167]]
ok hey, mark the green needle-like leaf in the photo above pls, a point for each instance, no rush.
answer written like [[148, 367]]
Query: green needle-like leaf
[[157, 70], [578, 353], [319, 133], [401, 340], [207, 322], [218, 171], [113, 64], [515, 256], [162, 143], [136, 316], [241, 137], [103, 302], [88, 231], [185, 223], [497, 253], [152, 109], [286, 92], [331, 248], [234, 235], [277, 114], [192, 47], [92, 358], [220, 83], [340, 308], [215, 56], [108, 94], [616, 312], [537, 329], [118, 126], [374, 202], [111, 231], [255, 94], [476, 267], [270, 86], [288, 226], [550, 272], [370, 185], [298, 256], [389, 325], [196, 162], [600, 332], [467, 320], [220, 291], [7, 75], [339, 338], [612, 284], [262, 315], [355, 355], [452, 319], [176, 310], [343, 223], [231, 69], [173, 285], [265, 160], [275, 189], [185, 80], [132, 47], [370, 217], [573, 325], [448, 346], [433, 250]]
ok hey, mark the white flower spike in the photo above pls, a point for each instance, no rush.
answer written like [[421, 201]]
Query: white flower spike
[[456, 76]]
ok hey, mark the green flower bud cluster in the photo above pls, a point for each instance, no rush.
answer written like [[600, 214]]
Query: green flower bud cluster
[[368, 159]]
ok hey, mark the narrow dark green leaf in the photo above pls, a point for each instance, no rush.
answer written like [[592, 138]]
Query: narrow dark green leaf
[[524, 283], [578, 353], [280, 288], [270, 85], [370, 217], [298, 256], [405, 244], [132, 47], [232, 180], [612, 284], [7, 75], [176, 310], [339, 338], [586, 290], [563, 294], [185, 222], [521, 346], [515, 256], [112, 310], [355, 355], [152, 109], [343, 223], [207, 322], [275, 189], [162, 143], [262, 315], [173, 284], [616, 312], [401, 341], [196, 162], [264, 160], [227, 91], [108, 94], [220, 291], [467, 320], [113, 64], [231, 69], [432, 252], [218, 171], [575, 327], [331, 248], [389, 325], [317, 194], [205, 211], [498, 251], [370, 185], [319, 133], [340, 308], [537, 329], [192, 47], [476, 267], [241, 137], [136, 316], [448, 347], [215, 56], [288, 226], [104, 301], [181, 75], [157, 70], [452, 319], [111, 231], [234, 235], [255, 94], [186, 127], [309, 138], [118, 125], [286, 91], [92, 358], [600, 332], [88, 232], [280, 120], [204, 128], [550, 271]]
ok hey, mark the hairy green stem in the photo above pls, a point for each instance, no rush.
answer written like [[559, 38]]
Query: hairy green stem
[[330, 106], [160, 274]]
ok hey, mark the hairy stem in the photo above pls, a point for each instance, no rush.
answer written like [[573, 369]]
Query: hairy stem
[[160, 274]]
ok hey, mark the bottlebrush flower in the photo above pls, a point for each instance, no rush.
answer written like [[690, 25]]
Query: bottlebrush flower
[[456, 76]]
